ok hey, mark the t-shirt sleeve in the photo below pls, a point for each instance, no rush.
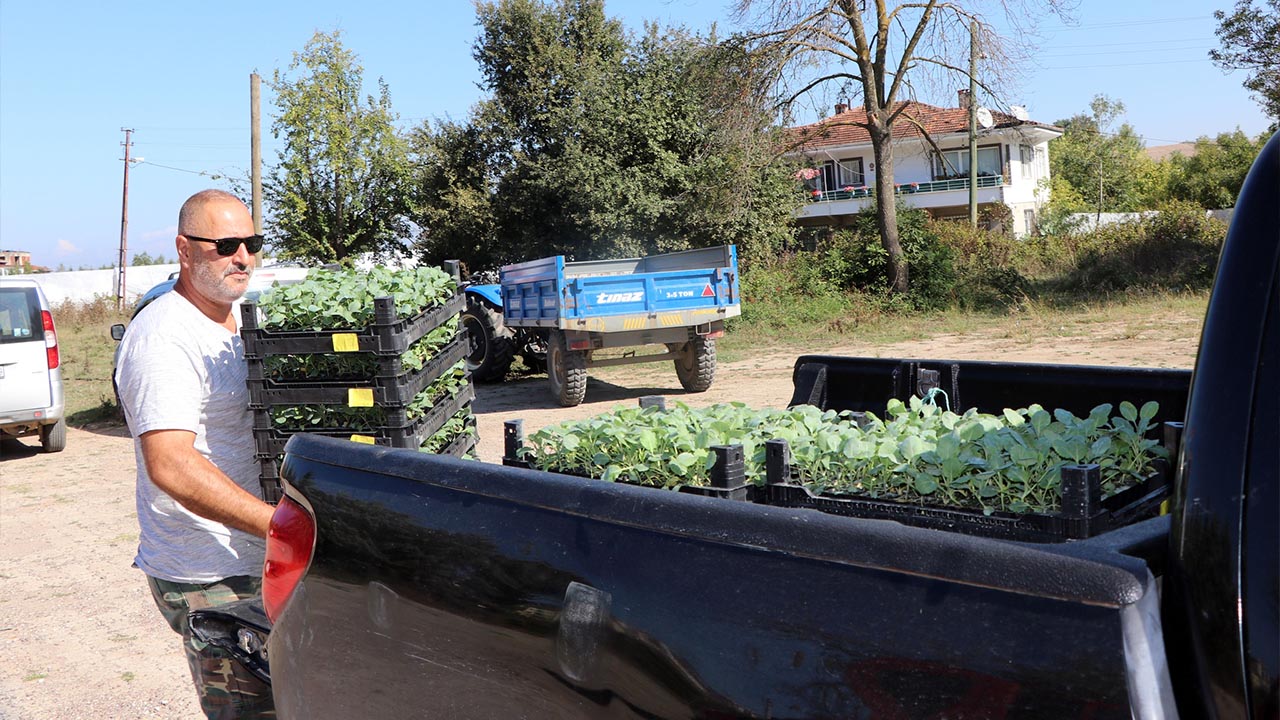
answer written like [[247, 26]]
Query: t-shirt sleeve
[[159, 382]]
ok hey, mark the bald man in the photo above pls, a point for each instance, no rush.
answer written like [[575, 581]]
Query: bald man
[[181, 376]]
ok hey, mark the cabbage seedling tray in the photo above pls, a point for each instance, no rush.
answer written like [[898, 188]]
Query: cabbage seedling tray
[[396, 390], [271, 440], [387, 335], [1117, 510]]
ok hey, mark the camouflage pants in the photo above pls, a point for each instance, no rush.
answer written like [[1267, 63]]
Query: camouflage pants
[[226, 688]]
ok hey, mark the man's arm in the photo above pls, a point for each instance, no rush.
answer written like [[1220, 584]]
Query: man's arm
[[177, 468]]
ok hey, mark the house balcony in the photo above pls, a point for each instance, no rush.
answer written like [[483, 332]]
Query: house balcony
[[934, 194]]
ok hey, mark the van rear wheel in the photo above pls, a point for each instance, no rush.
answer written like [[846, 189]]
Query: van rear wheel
[[53, 438]]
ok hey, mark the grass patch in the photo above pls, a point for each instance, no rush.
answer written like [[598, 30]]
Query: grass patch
[[34, 676], [127, 676], [87, 352]]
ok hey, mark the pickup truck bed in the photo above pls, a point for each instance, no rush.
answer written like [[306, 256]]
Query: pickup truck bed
[[495, 587]]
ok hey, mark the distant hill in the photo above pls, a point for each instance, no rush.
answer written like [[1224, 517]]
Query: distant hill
[[1160, 153]]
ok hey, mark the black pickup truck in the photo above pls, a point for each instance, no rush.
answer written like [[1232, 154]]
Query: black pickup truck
[[402, 584]]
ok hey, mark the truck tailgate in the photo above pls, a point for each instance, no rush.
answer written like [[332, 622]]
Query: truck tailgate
[[492, 588]]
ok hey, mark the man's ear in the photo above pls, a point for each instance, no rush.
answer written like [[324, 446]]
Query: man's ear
[[182, 246]]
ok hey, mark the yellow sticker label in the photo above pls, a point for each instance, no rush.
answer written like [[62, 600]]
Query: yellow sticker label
[[366, 439], [346, 342], [359, 397]]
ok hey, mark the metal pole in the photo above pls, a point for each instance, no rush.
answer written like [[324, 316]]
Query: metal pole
[[255, 145], [973, 124], [124, 223]]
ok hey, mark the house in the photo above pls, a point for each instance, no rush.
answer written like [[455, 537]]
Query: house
[[14, 258], [1013, 163]]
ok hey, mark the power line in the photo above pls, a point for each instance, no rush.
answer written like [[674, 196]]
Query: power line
[[1126, 44], [1131, 23], [1128, 52], [211, 176], [1117, 65]]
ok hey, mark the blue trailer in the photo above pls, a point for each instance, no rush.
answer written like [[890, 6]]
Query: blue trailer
[[559, 313]]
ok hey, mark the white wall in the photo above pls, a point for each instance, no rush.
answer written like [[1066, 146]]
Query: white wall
[[84, 285]]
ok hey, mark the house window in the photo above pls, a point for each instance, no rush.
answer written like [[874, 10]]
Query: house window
[[1026, 156], [839, 174], [955, 163], [1029, 218]]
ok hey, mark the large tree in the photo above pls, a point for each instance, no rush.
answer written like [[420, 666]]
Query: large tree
[[340, 188], [884, 54], [1250, 37], [1211, 176], [596, 143], [1102, 162]]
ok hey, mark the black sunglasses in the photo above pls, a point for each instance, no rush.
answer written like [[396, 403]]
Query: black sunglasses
[[228, 246]]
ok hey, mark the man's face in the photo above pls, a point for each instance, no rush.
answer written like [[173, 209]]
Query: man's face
[[220, 278]]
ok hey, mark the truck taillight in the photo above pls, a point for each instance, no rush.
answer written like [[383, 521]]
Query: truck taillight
[[50, 339], [290, 541]]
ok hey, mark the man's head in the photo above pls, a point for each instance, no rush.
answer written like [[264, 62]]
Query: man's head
[[215, 215]]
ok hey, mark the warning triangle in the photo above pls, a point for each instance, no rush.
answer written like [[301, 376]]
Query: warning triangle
[[708, 292]]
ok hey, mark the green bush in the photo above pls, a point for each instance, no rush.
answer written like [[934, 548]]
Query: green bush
[[852, 258], [791, 292], [1175, 248], [985, 264]]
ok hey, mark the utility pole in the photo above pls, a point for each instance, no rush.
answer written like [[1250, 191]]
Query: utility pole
[[255, 149], [124, 222], [973, 124]]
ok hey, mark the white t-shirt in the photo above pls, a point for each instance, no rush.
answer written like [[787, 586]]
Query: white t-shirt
[[179, 370]]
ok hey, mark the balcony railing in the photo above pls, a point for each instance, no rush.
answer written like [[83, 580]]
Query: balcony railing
[[853, 193]]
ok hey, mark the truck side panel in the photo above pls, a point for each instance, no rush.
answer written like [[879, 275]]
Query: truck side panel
[[482, 588]]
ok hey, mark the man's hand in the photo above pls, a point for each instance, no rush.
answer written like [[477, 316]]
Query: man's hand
[[177, 468]]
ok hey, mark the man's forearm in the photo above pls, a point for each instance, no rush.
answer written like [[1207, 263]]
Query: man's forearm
[[200, 487]]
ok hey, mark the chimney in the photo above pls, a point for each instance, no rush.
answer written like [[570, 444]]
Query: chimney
[[841, 107], [964, 98]]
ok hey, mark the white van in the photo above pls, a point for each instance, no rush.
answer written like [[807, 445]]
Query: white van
[[30, 369]]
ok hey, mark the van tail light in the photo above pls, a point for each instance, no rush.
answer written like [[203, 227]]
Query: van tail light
[[50, 339], [290, 542]]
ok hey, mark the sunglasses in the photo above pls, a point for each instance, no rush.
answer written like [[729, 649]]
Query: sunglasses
[[228, 246]]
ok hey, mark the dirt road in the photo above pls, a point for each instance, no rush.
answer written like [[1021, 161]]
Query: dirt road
[[80, 637]]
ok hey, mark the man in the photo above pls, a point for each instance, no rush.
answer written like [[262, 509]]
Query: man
[[181, 377]]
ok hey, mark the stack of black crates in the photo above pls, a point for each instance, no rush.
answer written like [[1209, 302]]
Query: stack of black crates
[[391, 389]]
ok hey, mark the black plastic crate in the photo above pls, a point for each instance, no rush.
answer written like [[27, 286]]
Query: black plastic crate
[[269, 462], [269, 478], [393, 389], [1085, 513], [387, 335], [270, 440], [1123, 508], [464, 442]]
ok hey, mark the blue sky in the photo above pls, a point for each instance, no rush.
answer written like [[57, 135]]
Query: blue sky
[[72, 74]]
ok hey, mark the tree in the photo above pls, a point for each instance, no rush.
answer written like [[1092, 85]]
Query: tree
[[884, 52], [1250, 38], [594, 143], [1212, 176], [1104, 166], [340, 188]]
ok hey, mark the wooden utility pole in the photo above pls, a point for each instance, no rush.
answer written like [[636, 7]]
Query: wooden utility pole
[[255, 148], [973, 124], [124, 223]]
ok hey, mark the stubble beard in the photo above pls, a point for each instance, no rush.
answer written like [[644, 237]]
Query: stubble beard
[[219, 285]]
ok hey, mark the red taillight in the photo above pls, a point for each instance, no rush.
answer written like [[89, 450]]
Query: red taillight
[[50, 338], [290, 541]]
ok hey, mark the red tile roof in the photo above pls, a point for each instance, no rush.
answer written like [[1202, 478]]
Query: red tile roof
[[840, 129]]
